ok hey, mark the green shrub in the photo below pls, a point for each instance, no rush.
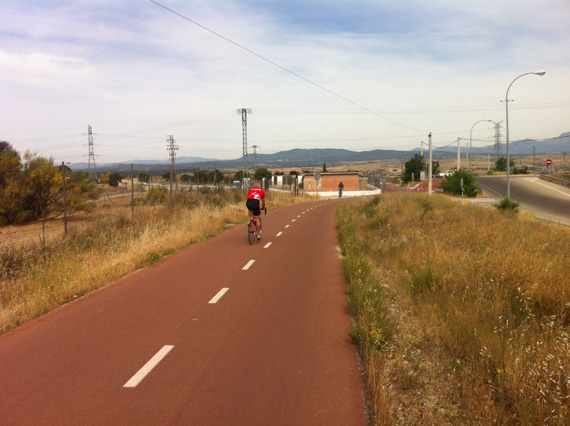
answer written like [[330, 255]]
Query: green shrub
[[452, 184], [508, 205], [156, 195]]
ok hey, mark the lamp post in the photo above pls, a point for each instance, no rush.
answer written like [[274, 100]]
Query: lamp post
[[541, 72], [470, 143]]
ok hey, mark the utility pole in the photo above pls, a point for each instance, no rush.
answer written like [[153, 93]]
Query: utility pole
[[91, 163], [422, 149], [254, 157], [488, 162], [243, 112], [172, 148], [533, 157], [564, 158], [430, 165], [458, 153]]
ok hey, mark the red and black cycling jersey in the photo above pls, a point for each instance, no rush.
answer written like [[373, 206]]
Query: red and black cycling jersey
[[256, 193]]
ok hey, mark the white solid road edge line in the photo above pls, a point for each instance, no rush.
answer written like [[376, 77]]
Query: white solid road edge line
[[248, 265], [147, 368], [219, 295]]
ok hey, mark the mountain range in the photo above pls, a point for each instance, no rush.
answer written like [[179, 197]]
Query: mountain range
[[307, 158]]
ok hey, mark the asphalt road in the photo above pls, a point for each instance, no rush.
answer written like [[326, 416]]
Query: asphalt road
[[534, 194], [222, 333]]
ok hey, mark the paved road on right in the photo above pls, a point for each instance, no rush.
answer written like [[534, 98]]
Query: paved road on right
[[534, 194]]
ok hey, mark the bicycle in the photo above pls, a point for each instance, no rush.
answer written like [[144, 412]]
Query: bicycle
[[252, 228]]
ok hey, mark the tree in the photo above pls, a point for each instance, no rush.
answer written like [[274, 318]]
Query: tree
[[166, 176], [30, 190], [413, 168], [452, 184], [104, 178], [114, 179], [5, 146], [43, 185], [261, 173], [435, 168], [144, 177], [186, 178], [10, 166], [325, 168], [11, 191], [501, 164], [203, 176], [218, 176], [66, 169], [239, 175], [80, 188]]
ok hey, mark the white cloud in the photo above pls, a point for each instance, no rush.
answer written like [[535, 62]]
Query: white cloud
[[123, 69]]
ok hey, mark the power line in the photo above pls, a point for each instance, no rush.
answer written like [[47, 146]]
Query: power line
[[263, 58]]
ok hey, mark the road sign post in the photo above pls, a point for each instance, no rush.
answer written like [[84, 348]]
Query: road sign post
[[549, 165]]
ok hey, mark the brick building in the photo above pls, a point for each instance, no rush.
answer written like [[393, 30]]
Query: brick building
[[329, 181]]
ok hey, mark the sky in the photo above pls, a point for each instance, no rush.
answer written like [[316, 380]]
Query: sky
[[357, 75]]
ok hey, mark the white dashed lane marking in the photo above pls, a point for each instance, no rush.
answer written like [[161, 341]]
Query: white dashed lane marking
[[267, 245], [218, 296], [147, 368], [248, 265], [279, 234]]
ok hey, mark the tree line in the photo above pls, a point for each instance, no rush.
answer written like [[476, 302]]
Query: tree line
[[204, 177], [32, 187]]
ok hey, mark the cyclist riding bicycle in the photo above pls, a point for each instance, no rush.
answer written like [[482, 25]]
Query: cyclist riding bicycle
[[255, 197]]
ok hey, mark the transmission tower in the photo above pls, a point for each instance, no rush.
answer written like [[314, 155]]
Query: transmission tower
[[254, 157], [498, 149], [243, 112], [172, 148], [91, 162]]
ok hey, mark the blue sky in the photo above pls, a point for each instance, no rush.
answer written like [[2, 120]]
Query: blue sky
[[136, 73]]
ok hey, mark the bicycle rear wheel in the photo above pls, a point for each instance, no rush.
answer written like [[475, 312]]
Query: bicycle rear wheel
[[251, 231]]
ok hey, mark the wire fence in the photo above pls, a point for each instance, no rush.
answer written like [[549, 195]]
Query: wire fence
[[32, 236], [129, 197]]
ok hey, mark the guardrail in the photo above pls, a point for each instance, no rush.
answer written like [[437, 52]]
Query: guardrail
[[553, 179]]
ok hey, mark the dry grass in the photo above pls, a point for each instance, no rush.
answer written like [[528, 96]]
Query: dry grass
[[109, 244], [472, 316]]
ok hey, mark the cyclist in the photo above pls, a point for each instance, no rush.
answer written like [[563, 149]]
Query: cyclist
[[255, 197]]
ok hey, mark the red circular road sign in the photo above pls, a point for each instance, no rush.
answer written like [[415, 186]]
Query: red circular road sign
[[549, 162]]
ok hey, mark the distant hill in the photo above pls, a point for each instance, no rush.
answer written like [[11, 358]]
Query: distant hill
[[523, 147], [145, 163], [300, 158], [308, 158]]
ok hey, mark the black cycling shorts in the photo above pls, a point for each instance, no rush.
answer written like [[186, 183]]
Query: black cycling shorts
[[253, 205]]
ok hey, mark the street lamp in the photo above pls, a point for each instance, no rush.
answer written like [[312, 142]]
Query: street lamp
[[541, 72], [470, 143]]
